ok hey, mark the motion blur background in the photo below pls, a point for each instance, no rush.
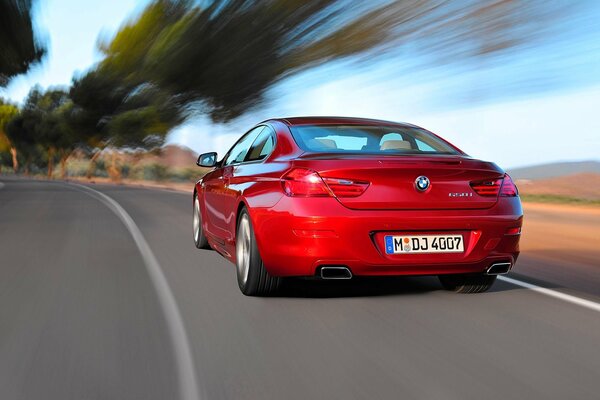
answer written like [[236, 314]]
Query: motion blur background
[[115, 94], [127, 90]]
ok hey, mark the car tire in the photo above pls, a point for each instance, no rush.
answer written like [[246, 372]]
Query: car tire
[[199, 237], [253, 278], [467, 283]]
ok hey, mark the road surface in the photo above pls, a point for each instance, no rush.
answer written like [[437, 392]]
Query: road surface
[[82, 316]]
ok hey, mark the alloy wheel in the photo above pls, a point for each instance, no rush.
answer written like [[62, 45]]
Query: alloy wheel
[[243, 246], [196, 220]]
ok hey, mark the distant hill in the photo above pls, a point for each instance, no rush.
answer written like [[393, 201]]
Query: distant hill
[[584, 186], [554, 170]]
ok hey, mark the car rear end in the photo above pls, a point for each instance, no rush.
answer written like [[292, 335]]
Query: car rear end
[[367, 211]]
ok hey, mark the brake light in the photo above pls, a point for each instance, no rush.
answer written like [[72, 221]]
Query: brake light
[[487, 188], [494, 187], [346, 187], [302, 182], [509, 189]]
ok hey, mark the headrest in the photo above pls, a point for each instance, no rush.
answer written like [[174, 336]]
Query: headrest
[[323, 143], [395, 145]]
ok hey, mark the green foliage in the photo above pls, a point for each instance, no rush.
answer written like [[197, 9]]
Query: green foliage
[[43, 128], [155, 172], [108, 111], [21, 131], [189, 174], [5, 160], [18, 47], [8, 111]]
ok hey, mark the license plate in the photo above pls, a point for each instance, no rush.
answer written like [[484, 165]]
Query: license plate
[[424, 244]]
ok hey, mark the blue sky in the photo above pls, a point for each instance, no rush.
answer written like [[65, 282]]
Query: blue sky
[[516, 112]]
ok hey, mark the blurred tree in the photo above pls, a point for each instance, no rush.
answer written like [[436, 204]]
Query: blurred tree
[[110, 112], [221, 57], [225, 56], [40, 107], [19, 48], [21, 132], [22, 129], [8, 112], [69, 138], [44, 126], [52, 132]]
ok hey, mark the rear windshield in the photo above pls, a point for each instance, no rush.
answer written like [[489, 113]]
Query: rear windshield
[[369, 139]]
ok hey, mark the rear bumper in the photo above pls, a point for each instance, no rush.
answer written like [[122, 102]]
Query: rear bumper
[[299, 235]]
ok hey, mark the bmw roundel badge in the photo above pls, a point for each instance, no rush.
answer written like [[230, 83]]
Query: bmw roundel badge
[[422, 183]]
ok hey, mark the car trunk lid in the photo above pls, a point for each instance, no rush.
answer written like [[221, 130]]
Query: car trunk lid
[[392, 180]]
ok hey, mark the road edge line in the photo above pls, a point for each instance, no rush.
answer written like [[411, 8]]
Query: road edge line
[[186, 371], [589, 304]]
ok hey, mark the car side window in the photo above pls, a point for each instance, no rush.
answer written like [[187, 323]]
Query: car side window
[[262, 146], [238, 152]]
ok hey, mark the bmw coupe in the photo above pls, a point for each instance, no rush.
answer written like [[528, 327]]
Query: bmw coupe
[[335, 198]]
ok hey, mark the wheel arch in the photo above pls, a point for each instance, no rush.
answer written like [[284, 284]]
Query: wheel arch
[[241, 205]]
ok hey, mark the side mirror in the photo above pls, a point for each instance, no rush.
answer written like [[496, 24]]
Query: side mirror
[[208, 160]]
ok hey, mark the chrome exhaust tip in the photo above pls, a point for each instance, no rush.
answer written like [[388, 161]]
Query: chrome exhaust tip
[[498, 268], [335, 272]]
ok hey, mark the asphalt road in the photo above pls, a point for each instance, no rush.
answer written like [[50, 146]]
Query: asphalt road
[[82, 317]]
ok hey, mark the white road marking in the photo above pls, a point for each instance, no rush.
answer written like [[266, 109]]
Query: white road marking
[[186, 371], [1, 185], [592, 305]]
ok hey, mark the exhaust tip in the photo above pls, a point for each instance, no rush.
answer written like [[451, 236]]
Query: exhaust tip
[[335, 272], [498, 268]]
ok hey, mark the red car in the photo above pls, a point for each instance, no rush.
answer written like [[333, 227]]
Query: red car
[[335, 198]]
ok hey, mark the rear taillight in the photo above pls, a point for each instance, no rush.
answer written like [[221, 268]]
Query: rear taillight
[[487, 188], [509, 189], [346, 187], [513, 231], [303, 182], [494, 187]]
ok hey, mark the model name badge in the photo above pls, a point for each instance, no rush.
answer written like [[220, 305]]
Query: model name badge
[[456, 194]]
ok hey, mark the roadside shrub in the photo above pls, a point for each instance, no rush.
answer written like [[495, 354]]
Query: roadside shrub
[[155, 172], [125, 170], [185, 174], [77, 167], [101, 169]]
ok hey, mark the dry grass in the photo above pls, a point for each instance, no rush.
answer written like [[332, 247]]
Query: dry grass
[[578, 188]]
